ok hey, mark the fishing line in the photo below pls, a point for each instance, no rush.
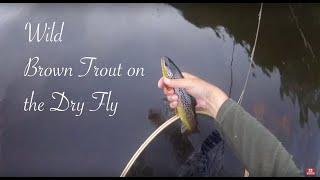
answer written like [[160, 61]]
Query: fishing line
[[305, 41], [251, 56], [231, 72]]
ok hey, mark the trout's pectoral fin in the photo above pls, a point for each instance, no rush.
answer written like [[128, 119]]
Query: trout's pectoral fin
[[184, 129]]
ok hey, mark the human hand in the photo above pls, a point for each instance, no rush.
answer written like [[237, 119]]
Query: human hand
[[208, 96]]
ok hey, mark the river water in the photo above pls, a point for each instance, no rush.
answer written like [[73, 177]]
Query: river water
[[213, 41]]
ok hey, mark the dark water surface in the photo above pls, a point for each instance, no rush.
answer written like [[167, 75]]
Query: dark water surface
[[212, 41]]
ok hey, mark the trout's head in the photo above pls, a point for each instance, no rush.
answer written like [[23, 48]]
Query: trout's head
[[169, 69]]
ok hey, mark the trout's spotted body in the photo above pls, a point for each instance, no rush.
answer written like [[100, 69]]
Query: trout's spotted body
[[186, 104]]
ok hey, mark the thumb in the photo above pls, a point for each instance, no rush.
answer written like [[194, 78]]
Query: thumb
[[177, 83]]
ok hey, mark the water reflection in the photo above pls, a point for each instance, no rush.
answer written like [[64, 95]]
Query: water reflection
[[287, 44]]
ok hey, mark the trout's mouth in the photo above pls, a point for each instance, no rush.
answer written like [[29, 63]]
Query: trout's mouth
[[162, 61], [164, 67]]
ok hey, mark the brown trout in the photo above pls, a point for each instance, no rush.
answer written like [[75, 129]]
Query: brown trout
[[186, 103]]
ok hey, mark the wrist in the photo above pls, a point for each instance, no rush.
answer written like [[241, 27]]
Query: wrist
[[216, 98]]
